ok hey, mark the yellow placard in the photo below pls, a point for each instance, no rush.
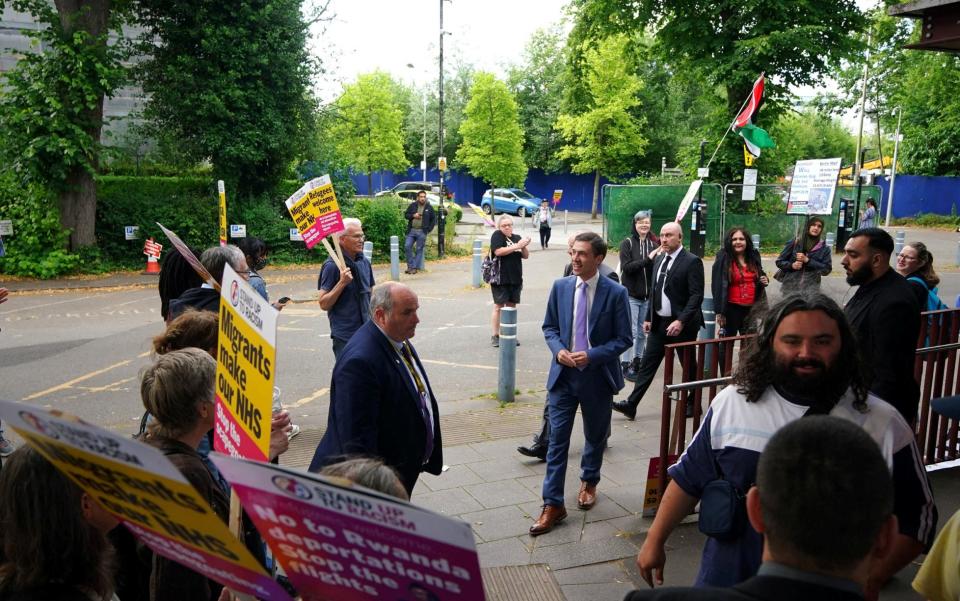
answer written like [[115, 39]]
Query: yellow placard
[[246, 369], [315, 210], [221, 189], [140, 487], [748, 158]]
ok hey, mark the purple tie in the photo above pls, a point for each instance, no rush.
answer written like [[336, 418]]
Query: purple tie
[[580, 319]]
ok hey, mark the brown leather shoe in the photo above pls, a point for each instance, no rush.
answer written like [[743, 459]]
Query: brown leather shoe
[[587, 497], [549, 517]]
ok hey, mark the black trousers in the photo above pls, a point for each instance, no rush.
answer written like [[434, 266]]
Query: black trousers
[[736, 316], [653, 357], [544, 236]]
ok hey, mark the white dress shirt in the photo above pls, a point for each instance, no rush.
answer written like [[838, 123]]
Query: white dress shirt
[[665, 307], [591, 293]]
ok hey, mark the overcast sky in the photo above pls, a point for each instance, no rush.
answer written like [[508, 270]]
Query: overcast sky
[[388, 34]]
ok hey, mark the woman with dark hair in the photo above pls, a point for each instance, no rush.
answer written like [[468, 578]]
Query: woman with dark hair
[[53, 544], [804, 260], [915, 263], [178, 391], [738, 282], [176, 277], [256, 251]]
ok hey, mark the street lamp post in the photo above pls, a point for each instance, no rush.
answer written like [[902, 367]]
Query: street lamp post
[[442, 217], [893, 168]]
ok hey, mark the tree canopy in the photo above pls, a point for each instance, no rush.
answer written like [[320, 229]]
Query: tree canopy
[[231, 85], [52, 108], [606, 137], [368, 128], [492, 146]]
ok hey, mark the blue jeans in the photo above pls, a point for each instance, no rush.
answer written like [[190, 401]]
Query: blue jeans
[[638, 310], [418, 237], [574, 388]]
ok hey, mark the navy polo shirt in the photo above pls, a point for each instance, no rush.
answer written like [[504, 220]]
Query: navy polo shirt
[[352, 309]]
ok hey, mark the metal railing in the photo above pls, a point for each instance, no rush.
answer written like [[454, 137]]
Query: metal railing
[[936, 369]]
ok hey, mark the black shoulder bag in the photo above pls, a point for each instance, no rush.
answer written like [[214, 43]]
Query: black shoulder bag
[[723, 509]]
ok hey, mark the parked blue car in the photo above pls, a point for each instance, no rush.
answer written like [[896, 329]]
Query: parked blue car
[[510, 200]]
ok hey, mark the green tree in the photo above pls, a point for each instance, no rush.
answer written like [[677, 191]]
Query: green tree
[[538, 84], [368, 131], [231, 85], [809, 134], [52, 107], [730, 43], [605, 138], [920, 83], [492, 147]]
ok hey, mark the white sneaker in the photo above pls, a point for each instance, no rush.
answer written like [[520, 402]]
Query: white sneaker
[[294, 430]]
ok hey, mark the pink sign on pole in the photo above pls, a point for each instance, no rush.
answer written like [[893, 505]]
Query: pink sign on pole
[[315, 210], [338, 541]]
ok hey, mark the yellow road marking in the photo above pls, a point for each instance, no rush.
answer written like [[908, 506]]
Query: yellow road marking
[[82, 378], [111, 386], [470, 365], [289, 329], [307, 399]]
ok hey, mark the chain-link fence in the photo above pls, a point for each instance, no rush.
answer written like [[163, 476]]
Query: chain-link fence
[[765, 215]]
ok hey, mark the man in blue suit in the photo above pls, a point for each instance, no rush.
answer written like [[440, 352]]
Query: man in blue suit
[[587, 326], [381, 403]]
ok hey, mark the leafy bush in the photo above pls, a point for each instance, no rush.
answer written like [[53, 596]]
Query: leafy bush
[[36, 248], [380, 221]]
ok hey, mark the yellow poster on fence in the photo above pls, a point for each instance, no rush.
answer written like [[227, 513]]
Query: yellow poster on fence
[[221, 189], [140, 487]]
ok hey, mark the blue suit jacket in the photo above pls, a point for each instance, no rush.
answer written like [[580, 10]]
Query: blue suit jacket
[[374, 409], [609, 327]]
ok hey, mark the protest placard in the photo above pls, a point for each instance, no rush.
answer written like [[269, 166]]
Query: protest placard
[[222, 191], [140, 487], [688, 199], [315, 211], [812, 187], [189, 257], [557, 195], [482, 215], [337, 541], [246, 368]]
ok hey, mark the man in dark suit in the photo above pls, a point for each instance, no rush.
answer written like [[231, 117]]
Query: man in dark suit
[[674, 313], [381, 402], [587, 326], [539, 447], [885, 317], [824, 503]]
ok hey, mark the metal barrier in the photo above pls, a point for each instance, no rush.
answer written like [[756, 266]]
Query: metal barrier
[[936, 369], [938, 356]]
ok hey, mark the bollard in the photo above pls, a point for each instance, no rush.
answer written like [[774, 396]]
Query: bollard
[[831, 238], [477, 261], [958, 252], [708, 331], [564, 221], [756, 241], [395, 258], [368, 251], [898, 242], [508, 355]]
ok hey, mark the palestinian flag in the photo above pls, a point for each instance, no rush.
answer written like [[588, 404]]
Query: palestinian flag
[[754, 138]]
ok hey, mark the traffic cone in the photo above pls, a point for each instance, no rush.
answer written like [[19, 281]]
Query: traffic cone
[[153, 267]]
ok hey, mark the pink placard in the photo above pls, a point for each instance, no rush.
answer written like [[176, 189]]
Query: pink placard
[[339, 543]]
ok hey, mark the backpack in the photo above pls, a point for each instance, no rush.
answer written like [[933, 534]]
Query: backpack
[[933, 300], [490, 270]]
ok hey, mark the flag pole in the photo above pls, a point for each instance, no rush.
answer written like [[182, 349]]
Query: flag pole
[[730, 127]]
